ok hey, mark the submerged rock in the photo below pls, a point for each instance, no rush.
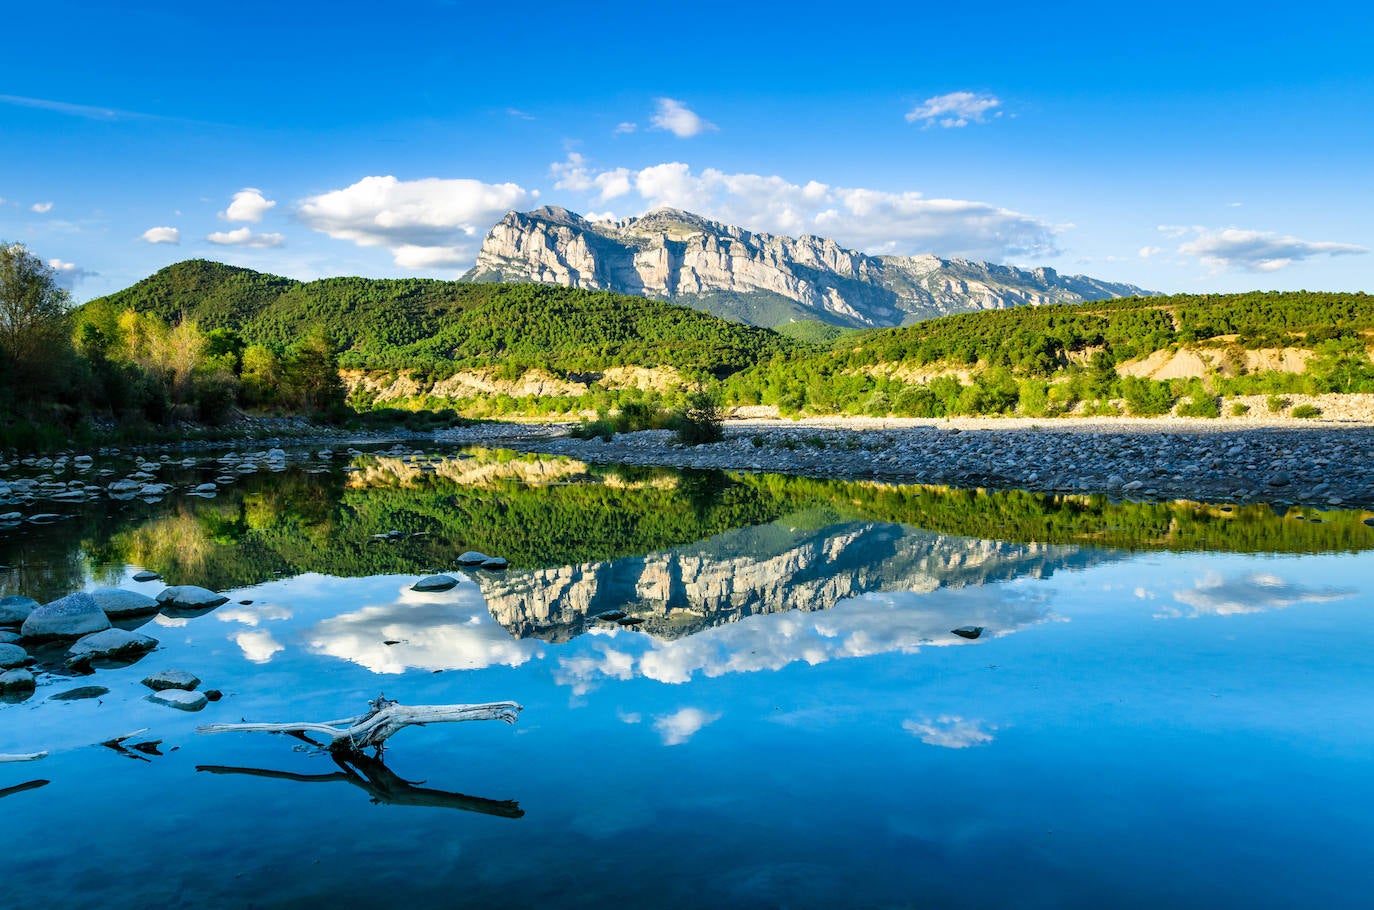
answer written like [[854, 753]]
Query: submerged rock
[[146, 575], [12, 656], [12, 681], [179, 698], [171, 679], [80, 693], [472, 558], [495, 564], [118, 603], [111, 644], [435, 583], [15, 609], [67, 617], [190, 597], [969, 632]]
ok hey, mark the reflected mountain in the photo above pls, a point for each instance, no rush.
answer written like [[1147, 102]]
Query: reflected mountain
[[806, 562]]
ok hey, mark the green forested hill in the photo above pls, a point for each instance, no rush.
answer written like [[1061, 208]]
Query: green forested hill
[[432, 325], [1042, 361], [1035, 361]]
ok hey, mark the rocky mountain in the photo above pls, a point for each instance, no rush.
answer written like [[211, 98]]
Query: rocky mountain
[[762, 279]]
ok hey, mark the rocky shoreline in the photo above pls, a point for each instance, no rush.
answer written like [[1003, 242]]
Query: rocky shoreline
[[1320, 465]]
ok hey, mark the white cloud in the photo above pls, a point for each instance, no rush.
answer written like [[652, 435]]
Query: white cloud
[[877, 221], [675, 117], [949, 732], [68, 273], [426, 224], [956, 109], [1219, 596], [1147, 251], [248, 205], [162, 235], [680, 726], [625, 127], [1258, 251], [519, 114], [41, 208], [245, 237], [574, 174]]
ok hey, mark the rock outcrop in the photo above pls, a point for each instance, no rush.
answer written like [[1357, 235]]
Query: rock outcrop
[[766, 279]]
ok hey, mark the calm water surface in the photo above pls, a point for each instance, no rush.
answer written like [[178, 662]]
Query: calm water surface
[[1169, 704]]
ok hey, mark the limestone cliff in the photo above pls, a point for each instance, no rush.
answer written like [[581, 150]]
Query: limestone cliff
[[761, 278]]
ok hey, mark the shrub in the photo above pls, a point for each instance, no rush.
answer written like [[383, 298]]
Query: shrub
[[701, 421], [1239, 409], [1276, 403], [1200, 404], [1145, 397], [1307, 411]]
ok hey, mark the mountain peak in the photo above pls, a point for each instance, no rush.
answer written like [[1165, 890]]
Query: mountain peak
[[766, 279]]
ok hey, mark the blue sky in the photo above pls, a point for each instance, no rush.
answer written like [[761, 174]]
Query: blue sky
[[1188, 147]]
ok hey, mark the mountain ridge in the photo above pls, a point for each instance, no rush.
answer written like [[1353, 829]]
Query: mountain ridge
[[761, 278]]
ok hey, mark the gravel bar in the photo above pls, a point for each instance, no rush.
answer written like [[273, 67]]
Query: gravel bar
[[1326, 465]]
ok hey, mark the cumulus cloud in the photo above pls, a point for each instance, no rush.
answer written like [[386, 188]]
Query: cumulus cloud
[[877, 221], [248, 205], [575, 175], [68, 273], [949, 732], [625, 127], [162, 235], [1256, 251], [680, 726], [41, 208], [245, 237], [955, 109], [1147, 251], [675, 117], [1216, 595], [426, 224]]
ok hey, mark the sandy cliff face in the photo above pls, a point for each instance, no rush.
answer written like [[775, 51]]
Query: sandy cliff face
[[674, 255]]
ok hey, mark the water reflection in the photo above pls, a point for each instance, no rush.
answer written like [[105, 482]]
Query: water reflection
[[428, 631], [382, 785], [1217, 595], [24, 787], [950, 732], [877, 623]]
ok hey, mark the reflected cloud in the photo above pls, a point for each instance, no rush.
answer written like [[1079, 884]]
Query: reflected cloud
[[428, 631], [1215, 595], [950, 732], [258, 646], [863, 626], [680, 726], [254, 614]]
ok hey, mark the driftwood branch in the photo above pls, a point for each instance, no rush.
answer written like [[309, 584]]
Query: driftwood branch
[[383, 719], [383, 785], [24, 756]]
